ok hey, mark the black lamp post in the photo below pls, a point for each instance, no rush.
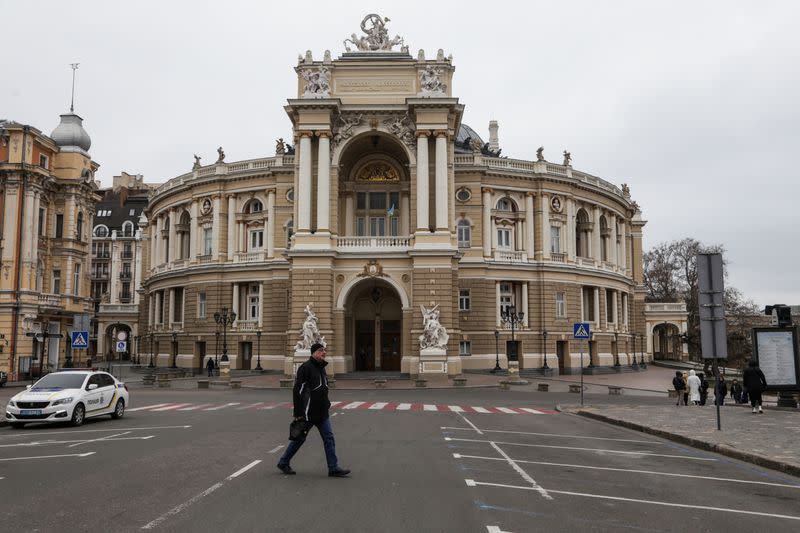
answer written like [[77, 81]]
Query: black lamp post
[[174, 349], [151, 365], [258, 350], [633, 338], [591, 360], [642, 364], [544, 350], [216, 349], [225, 319], [616, 348], [510, 316], [135, 356], [496, 368]]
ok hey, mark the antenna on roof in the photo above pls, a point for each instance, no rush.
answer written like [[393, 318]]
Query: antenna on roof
[[72, 102]]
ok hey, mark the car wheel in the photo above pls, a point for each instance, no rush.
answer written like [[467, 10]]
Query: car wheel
[[78, 415], [17, 425], [119, 409]]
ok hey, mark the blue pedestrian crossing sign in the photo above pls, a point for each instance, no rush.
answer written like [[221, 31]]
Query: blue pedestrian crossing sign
[[80, 339], [580, 330]]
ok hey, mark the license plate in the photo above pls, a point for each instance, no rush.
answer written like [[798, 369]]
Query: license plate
[[30, 412]]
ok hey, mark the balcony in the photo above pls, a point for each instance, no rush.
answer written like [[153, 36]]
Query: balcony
[[205, 259], [102, 255], [558, 257], [373, 244], [247, 325], [510, 256], [50, 300], [250, 257], [125, 275], [99, 275]]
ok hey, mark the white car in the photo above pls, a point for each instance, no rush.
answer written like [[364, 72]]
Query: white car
[[72, 396]]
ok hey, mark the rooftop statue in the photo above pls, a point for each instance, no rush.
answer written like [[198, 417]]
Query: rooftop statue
[[540, 154], [434, 335], [626, 191], [377, 36], [196, 162], [220, 155], [280, 147], [567, 158]]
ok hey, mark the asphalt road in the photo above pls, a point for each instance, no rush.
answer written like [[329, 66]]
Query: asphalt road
[[422, 460]]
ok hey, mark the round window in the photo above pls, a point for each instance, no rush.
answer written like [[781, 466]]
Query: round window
[[290, 195], [463, 195]]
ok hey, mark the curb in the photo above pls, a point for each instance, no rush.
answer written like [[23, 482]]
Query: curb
[[722, 449]]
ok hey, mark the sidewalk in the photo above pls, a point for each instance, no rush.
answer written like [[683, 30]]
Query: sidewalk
[[768, 440]]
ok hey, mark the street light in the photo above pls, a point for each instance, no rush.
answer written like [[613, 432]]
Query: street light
[[151, 365], [496, 368], [258, 350], [616, 348], [633, 338], [642, 364], [216, 349], [225, 319], [510, 316], [174, 349], [136, 347], [544, 351]]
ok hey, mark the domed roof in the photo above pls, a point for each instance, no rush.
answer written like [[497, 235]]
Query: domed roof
[[70, 133], [465, 137]]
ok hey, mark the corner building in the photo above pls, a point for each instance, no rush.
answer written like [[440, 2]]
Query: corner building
[[387, 202]]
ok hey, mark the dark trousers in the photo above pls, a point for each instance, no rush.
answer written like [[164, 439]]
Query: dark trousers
[[326, 432], [210, 372], [755, 398]]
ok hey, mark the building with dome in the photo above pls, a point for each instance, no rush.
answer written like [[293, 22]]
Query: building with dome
[[47, 198], [381, 207]]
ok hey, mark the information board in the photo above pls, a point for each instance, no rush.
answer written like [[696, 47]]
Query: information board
[[776, 352]]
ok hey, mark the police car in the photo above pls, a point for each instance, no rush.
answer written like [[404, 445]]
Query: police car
[[68, 396]]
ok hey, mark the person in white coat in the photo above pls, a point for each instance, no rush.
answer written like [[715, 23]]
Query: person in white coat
[[694, 388]]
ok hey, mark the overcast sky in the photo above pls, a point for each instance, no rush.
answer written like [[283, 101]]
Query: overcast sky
[[693, 104]]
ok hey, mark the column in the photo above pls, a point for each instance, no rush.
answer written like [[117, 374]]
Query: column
[[271, 223], [497, 303], [597, 307], [324, 182], [615, 308], [526, 318], [158, 240], [173, 235], [170, 307], [612, 247], [596, 247], [487, 223], [422, 181], [625, 309], [193, 231], [115, 264], [570, 230], [233, 245], [405, 214], [27, 240], [348, 215], [303, 196], [529, 225], [159, 314], [442, 196], [236, 303], [137, 266], [544, 230], [623, 251], [153, 230], [151, 317], [215, 229], [260, 304], [35, 244]]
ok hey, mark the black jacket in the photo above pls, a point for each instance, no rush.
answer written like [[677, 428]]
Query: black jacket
[[753, 379], [311, 391], [678, 383]]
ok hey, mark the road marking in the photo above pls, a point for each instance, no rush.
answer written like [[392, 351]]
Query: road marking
[[558, 435], [352, 405], [275, 449], [506, 410], [251, 406], [531, 411], [193, 407], [378, 405], [147, 407], [99, 439], [404, 407], [230, 404], [535, 486], [49, 442], [170, 407], [480, 409], [495, 529], [26, 434], [198, 497], [334, 404], [273, 406], [455, 408], [428, 407], [635, 500], [649, 472], [594, 450], [86, 454], [471, 424]]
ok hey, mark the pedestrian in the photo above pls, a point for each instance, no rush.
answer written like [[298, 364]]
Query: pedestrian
[[720, 391], [694, 388], [703, 388], [685, 388], [210, 367], [736, 391], [311, 404], [754, 383], [679, 385]]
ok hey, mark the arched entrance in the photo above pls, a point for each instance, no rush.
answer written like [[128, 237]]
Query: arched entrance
[[374, 326], [666, 342], [117, 335]]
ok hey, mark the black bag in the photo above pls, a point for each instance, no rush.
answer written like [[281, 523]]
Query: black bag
[[298, 430]]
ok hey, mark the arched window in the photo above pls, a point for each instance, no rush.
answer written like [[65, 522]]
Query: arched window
[[289, 232], [101, 231], [464, 233], [79, 227], [505, 204], [604, 233], [255, 206], [583, 226], [127, 228]]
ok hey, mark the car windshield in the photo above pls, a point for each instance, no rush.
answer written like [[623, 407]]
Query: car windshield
[[60, 381]]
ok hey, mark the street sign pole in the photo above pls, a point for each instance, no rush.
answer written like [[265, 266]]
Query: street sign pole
[[581, 331], [712, 314], [581, 373]]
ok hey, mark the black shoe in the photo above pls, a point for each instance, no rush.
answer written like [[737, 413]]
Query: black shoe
[[286, 469], [338, 472]]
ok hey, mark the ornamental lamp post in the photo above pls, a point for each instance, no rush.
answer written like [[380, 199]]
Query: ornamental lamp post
[[216, 348], [225, 319], [642, 347], [496, 368], [174, 349], [616, 348], [258, 350], [511, 317], [544, 352], [136, 347], [151, 365]]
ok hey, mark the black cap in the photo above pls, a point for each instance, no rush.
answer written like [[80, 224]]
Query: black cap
[[316, 346]]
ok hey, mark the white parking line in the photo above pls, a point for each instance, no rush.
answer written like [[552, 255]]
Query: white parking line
[[193, 407], [170, 407], [251, 406], [471, 424], [26, 434], [86, 454], [594, 450], [556, 435], [198, 497], [273, 406], [495, 529], [230, 404], [99, 439], [352, 405], [378, 405], [275, 449], [429, 407], [473, 483], [147, 407], [49, 442], [628, 470], [403, 407], [525, 476]]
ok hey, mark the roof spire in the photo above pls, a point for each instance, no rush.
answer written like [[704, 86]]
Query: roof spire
[[72, 102]]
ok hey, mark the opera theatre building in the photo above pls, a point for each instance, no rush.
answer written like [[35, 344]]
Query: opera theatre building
[[384, 205]]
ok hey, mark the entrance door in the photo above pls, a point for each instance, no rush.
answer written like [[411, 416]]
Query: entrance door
[[561, 353], [200, 355], [364, 345], [246, 351], [390, 345]]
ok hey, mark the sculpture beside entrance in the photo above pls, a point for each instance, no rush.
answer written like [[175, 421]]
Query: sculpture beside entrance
[[309, 334], [433, 358]]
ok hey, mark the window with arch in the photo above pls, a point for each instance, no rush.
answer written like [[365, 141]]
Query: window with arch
[[79, 227], [505, 204], [101, 231], [464, 230], [289, 232], [604, 234], [254, 206], [582, 233], [127, 228]]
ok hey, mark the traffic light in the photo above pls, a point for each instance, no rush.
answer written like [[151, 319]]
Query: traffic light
[[782, 313]]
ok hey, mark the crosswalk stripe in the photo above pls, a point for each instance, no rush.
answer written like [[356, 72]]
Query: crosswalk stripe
[[352, 405], [147, 407], [531, 411], [193, 407], [404, 407], [336, 404], [378, 405], [455, 408], [507, 410], [251, 406], [429, 407], [170, 407], [480, 409], [273, 405], [230, 404]]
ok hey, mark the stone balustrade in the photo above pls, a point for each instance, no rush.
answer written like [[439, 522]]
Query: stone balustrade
[[361, 244]]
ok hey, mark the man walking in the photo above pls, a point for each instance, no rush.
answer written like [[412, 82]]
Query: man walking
[[312, 405], [754, 384], [210, 367]]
